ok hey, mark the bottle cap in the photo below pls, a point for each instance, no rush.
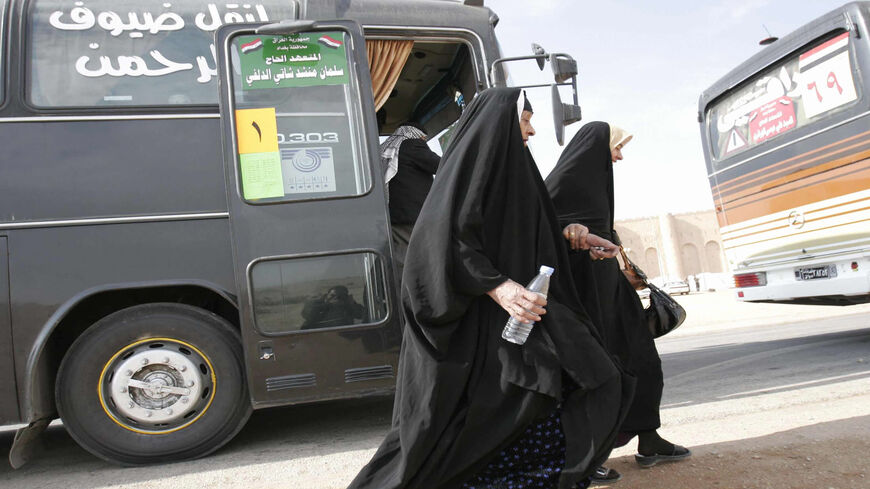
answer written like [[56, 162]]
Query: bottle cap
[[548, 271]]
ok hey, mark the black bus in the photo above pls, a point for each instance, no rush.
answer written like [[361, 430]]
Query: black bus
[[192, 216]]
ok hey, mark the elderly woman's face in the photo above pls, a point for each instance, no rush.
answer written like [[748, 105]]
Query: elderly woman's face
[[526, 126], [616, 153]]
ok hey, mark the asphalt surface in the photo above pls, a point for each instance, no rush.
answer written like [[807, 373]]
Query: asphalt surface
[[725, 379]]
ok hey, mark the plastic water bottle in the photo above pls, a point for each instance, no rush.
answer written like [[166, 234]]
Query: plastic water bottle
[[517, 331]]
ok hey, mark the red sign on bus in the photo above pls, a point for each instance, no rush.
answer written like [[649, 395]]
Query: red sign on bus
[[771, 119]]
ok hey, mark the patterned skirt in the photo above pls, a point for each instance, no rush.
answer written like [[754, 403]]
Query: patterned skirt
[[535, 460]]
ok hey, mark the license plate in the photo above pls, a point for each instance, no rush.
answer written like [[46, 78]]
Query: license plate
[[815, 273]]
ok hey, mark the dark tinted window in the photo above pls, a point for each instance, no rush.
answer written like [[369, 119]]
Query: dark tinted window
[[131, 52], [297, 117], [315, 293]]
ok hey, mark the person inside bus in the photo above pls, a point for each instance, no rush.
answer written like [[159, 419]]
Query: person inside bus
[[334, 308], [466, 399], [581, 187], [409, 167]]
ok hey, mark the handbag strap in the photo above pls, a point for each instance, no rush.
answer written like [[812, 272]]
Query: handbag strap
[[630, 267], [627, 263]]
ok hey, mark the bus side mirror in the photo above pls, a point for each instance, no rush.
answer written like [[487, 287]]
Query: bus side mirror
[[564, 67], [563, 114]]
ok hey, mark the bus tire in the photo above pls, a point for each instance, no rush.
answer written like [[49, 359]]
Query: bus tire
[[154, 383]]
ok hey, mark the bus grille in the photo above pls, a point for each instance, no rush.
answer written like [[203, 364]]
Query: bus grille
[[290, 382], [368, 373]]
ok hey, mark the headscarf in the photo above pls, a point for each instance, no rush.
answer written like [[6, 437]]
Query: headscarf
[[581, 183], [618, 137], [527, 106], [389, 149]]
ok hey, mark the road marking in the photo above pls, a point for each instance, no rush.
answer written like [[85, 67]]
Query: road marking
[[807, 383], [691, 374]]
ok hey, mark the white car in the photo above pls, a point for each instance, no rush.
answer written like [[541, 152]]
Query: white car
[[676, 287]]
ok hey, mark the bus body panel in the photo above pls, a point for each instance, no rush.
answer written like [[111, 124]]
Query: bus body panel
[[798, 197], [8, 387], [85, 169], [50, 266]]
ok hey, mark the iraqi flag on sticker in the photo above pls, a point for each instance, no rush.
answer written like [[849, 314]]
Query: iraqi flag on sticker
[[330, 42], [252, 46]]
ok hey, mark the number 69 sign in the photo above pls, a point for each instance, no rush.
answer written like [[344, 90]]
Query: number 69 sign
[[826, 77]]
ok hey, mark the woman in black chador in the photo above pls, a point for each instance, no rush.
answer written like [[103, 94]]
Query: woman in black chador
[[581, 186], [473, 410]]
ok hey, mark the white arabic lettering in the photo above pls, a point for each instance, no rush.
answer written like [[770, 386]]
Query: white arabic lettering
[[82, 17], [215, 20], [136, 24], [306, 73], [130, 66], [206, 72]]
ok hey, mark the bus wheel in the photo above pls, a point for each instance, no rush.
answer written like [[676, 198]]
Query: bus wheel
[[154, 383]]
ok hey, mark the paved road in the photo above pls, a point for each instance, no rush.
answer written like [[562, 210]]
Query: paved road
[[718, 374], [741, 364]]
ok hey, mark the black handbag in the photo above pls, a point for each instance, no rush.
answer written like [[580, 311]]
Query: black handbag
[[664, 314]]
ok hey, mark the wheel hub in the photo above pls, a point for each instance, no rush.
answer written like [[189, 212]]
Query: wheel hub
[[156, 386]]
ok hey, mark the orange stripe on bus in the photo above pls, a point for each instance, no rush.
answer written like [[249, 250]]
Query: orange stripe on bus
[[721, 186], [842, 181], [797, 175], [793, 172]]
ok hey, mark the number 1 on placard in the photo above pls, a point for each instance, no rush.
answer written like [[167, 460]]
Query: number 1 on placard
[[814, 86]]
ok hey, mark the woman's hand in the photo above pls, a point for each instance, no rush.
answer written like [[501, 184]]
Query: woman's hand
[[576, 234], [601, 248], [519, 302]]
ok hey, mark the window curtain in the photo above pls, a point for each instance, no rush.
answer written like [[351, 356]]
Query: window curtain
[[386, 60]]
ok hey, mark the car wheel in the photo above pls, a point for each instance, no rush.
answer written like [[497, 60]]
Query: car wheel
[[154, 383]]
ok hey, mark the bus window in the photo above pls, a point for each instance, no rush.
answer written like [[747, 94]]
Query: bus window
[[302, 294], [809, 86], [130, 52], [436, 80], [297, 126]]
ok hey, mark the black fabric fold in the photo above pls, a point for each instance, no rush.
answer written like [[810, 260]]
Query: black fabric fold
[[464, 393]]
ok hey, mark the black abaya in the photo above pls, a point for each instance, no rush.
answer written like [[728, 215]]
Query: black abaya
[[463, 393], [581, 186]]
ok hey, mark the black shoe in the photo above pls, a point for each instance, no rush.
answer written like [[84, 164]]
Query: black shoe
[[603, 475], [678, 453]]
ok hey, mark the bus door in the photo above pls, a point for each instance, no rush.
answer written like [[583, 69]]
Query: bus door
[[308, 216]]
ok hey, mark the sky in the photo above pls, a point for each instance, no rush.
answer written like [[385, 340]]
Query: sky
[[642, 66]]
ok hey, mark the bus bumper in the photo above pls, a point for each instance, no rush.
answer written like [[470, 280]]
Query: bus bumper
[[851, 283]]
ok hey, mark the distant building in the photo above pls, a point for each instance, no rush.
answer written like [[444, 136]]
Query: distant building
[[674, 245]]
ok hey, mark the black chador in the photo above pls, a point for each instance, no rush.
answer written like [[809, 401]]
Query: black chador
[[464, 395], [581, 186]]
